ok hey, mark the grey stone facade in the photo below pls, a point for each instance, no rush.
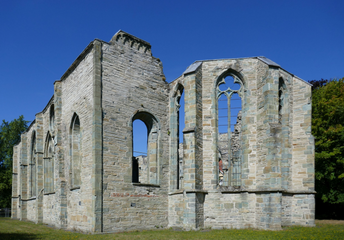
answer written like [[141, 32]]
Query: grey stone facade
[[74, 167]]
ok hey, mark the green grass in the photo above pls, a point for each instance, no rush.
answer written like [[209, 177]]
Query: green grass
[[14, 229]]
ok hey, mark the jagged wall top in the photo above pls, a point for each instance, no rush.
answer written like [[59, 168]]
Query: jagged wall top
[[131, 41]]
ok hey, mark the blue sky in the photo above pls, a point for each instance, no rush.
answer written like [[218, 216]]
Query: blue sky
[[40, 39]]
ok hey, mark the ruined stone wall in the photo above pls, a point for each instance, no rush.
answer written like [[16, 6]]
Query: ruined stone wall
[[132, 83], [224, 205], [176, 206], [30, 200], [31, 210], [77, 98], [176, 149], [109, 86], [230, 210], [302, 163], [212, 70], [302, 141], [265, 140], [73, 95], [143, 168], [51, 197]]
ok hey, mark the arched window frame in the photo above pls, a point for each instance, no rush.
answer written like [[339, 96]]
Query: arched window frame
[[33, 161], [176, 177], [283, 119], [75, 152], [48, 164], [282, 100], [153, 148], [52, 119], [228, 169]]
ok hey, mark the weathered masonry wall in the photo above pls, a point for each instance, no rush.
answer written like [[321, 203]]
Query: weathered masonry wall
[[77, 98], [54, 200], [75, 167], [134, 87], [266, 197]]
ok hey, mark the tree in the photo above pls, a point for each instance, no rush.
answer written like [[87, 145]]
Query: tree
[[328, 130], [9, 136], [318, 83]]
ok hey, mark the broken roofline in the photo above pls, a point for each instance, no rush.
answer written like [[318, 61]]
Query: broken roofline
[[194, 66]]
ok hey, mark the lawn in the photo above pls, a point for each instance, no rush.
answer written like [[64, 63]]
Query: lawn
[[14, 229]]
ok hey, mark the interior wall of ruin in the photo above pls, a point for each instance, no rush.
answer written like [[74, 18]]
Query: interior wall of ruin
[[133, 87]]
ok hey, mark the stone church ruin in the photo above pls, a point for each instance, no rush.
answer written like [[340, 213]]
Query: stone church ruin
[[245, 160]]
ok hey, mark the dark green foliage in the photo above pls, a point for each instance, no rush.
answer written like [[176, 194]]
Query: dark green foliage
[[9, 136], [328, 130], [318, 83]]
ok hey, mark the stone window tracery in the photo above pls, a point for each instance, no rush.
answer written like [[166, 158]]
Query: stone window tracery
[[229, 93]]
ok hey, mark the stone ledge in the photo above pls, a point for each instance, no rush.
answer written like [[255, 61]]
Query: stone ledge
[[74, 188], [28, 199], [189, 130], [188, 191], [242, 190], [266, 191], [176, 192], [146, 185], [49, 193]]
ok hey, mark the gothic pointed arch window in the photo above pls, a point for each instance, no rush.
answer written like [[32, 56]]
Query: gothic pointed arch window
[[48, 164], [52, 118], [177, 124], [75, 150], [282, 101], [229, 93], [283, 119], [33, 160], [146, 171]]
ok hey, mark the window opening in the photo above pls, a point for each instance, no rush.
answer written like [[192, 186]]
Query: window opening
[[222, 137], [33, 166], [181, 126], [49, 165], [229, 91], [140, 164], [150, 133], [52, 118], [284, 144], [75, 152], [281, 99]]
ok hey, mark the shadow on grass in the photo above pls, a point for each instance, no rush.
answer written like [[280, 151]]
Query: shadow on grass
[[21, 236]]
